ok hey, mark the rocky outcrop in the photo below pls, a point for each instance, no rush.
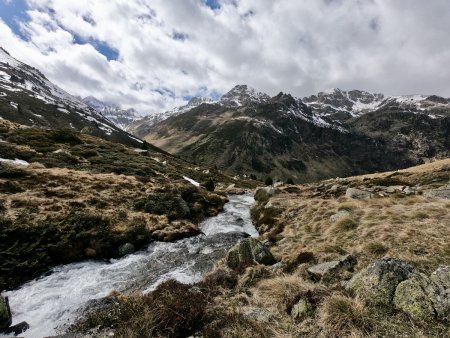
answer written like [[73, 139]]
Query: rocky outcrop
[[393, 283], [424, 297], [376, 283], [247, 252], [329, 270], [357, 193], [264, 193], [5, 313]]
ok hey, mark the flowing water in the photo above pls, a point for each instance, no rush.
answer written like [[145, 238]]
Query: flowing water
[[51, 302]]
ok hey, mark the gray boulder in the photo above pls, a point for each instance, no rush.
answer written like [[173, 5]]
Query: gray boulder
[[330, 271], [437, 193], [264, 193], [126, 249], [341, 214], [5, 313], [376, 283], [357, 193], [424, 297], [412, 297], [249, 251]]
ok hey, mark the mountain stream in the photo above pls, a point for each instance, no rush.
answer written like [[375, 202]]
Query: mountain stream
[[50, 303]]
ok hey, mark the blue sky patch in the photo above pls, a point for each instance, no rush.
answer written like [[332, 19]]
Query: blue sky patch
[[102, 47], [12, 12], [213, 4]]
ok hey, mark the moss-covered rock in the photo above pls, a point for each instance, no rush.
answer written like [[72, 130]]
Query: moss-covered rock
[[441, 282], [412, 297], [247, 252], [377, 282], [301, 309], [424, 297]]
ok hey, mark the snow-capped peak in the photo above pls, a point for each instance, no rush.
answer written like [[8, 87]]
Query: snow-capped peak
[[120, 117]]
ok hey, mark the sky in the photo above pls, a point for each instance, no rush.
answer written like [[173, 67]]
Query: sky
[[156, 54]]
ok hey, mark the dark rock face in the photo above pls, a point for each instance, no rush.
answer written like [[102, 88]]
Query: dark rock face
[[17, 329], [5, 313]]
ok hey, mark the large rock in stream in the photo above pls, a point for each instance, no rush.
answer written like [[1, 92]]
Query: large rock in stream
[[247, 252], [5, 313]]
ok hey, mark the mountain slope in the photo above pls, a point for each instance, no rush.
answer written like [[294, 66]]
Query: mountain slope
[[249, 132], [29, 98], [120, 117], [142, 126]]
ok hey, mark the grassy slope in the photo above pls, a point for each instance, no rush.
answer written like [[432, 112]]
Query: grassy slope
[[82, 197]]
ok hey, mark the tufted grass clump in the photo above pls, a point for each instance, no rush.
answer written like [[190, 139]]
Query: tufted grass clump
[[346, 224], [377, 248], [341, 316]]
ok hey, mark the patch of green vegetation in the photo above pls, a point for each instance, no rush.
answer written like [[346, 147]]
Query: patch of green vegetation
[[184, 202], [29, 249]]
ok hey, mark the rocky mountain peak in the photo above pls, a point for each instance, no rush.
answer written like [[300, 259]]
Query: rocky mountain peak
[[241, 95]]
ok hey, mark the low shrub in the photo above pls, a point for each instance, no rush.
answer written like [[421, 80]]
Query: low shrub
[[172, 310], [11, 172]]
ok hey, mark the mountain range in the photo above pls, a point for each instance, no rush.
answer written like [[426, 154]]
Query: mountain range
[[333, 133], [249, 133]]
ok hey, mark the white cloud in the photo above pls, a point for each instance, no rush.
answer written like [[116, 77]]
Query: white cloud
[[171, 49]]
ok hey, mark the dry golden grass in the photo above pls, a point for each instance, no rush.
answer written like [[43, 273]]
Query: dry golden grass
[[282, 292], [341, 316], [412, 228]]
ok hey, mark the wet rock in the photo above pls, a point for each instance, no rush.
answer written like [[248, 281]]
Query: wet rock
[[264, 193], [376, 283], [5, 313], [247, 252], [330, 271], [89, 252], [301, 309], [126, 249], [17, 329], [437, 193], [357, 193]]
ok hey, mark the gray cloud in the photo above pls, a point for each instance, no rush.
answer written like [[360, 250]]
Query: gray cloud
[[183, 47]]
